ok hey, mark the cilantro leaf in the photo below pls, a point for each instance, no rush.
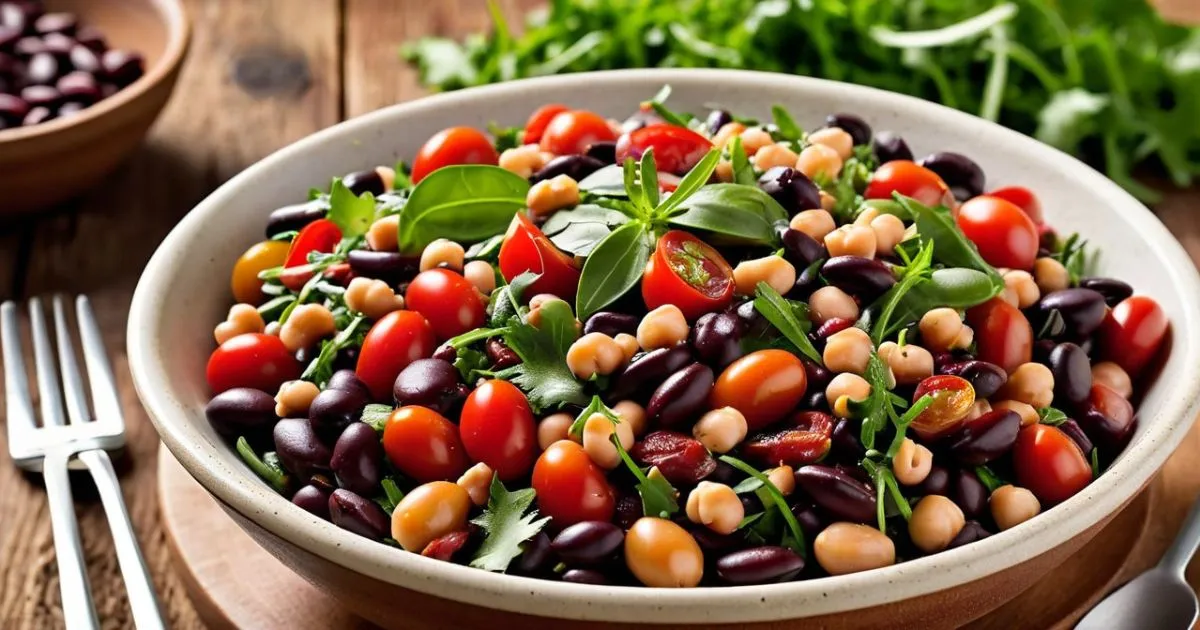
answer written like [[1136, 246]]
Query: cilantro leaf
[[506, 526], [352, 214], [659, 497], [782, 316]]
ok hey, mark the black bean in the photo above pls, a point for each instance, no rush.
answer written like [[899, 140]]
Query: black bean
[[584, 576], [588, 542], [295, 217], [241, 411], [971, 532], [936, 482], [717, 118], [961, 173], [864, 278], [12, 109], [431, 383], [56, 23], [1075, 432], [753, 323], [1082, 310], [356, 459], [1072, 373], [647, 370], [535, 556], [889, 146], [801, 249], [300, 450], [574, 166], [606, 152], [1113, 290], [837, 492], [807, 281], [390, 267], [361, 516], [985, 438], [968, 493], [42, 69], [791, 188], [611, 323], [347, 380], [333, 409], [445, 353], [815, 401], [760, 565], [500, 354], [360, 182], [986, 378], [121, 67], [682, 396], [313, 500], [851, 124], [716, 339]]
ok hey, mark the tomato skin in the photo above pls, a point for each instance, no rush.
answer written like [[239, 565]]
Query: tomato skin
[[676, 149], [911, 180], [1005, 235], [953, 397], [497, 429], [662, 285], [251, 360], [764, 385], [1049, 463], [570, 488], [447, 300], [397, 339], [1022, 198], [526, 248], [321, 235], [243, 281], [1132, 332], [424, 445], [1002, 334], [573, 131], [539, 120], [455, 145]]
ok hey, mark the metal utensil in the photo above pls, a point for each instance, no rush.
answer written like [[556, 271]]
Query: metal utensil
[[52, 447]]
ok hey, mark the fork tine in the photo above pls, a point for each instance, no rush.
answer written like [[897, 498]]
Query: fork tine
[[77, 408], [105, 399], [16, 384], [47, 372]]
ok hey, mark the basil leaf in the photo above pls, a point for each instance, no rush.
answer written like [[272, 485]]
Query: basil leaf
[[614, 266], [741, 213], [956, 287], [608, 181], [781, 315], [488, 250], [649, 173], [580, 239], [692, 182], [743, 172], [468, 202], [585, 213], [788, 129], [951, 247], [352, 214], [633, 189]]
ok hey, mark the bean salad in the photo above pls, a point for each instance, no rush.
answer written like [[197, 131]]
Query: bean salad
[[676, 351]]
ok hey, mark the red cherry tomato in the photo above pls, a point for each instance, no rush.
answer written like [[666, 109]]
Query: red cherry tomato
[[572, 132], [251, 360], [525, 248], [447, 300], [911, 180], [456, 145], [1005, 235], [539, 120], [570, 488], [952, 396], [676, 149], [497, 429], [424, 445], [764, 385], [1049, 463], [1002, 334], [321, 235], [397, 339], [1022, 198], [687, 272], [1132, 333]]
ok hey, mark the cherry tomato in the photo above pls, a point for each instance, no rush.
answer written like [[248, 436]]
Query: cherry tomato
[[572, 132], [447, 300], [1005, 235], [687, 272], [251, 360], [1049, 463], [1116, 422], [497, 429], [397, 339], [244, 282], [676, 149], [1002, 334], [952, 400], [539, 120], [525, 248], [765, 386], [448, 147], [570, 488], [424, 445], [1022, 198], [1132, 333], [322, 236], [911, 180]]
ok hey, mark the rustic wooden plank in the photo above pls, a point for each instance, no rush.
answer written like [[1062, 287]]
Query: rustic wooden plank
[[260, 76]]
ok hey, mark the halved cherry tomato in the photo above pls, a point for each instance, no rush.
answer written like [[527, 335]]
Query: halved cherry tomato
[[1005, 235], [1002, 334], [497, 429], [244, 282], [447, 300], [570, 488], [952, 400], [676, 149], [456, 145], [911, 180], [1022, 198], [525, 248], [764, 385], [572, 132], [687, 272], [1132, 333], [251, 360], [424, 445], [539, 120], [1049, 463], [397, 339], [322, 236]]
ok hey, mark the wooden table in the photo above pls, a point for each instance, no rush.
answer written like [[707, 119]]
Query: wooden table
[[261, 75]]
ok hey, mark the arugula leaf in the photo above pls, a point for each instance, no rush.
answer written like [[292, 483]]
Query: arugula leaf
[[885, 486], [321, 368], [796, 539], [613, 267], [743, 172], [376, 415], [877, 409], [267, 467], [506, 525], [902, 423], [467, 202], [470, 363], [1051, 416], [1073, 255], [659, 497], [788, 129], [542, 373], [778, 311]]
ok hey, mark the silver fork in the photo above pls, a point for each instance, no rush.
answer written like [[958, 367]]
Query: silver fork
[[52, 448]]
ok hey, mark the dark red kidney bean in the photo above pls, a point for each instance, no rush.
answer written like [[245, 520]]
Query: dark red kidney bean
[[445, 547], [680, 458], [759, 565], [346, 379], [322, 482], [713, 543], [41, 96], [84, 59], [833, 326], [333, 409], [9, 65], [241, 411], [936, 482], [792, 189], [92, 38], [750, 503], [1108, 432], [500, 354], [356, 459], [807, 281], [890, 146], [985, 438], [390, 267], [943, 360], [12, 109], [313, 500], [864, 278], [60, 46], [628, 510], [971, 532], [611, 323], [716, 339], [300, 450], [56, 23], [858, 128], [78, 87], [535, 556], [121, 67], [1042, 349], [8, 40], [801, 249], [37, 116], [584, 576], [1113, 290], [1082, 310], [431, 383], [961, 173], [445, 353], [753, 323], [589, 542], [1075, 432], [295, 217], [818, 376], [361, 516], [14, 16], [682, 397], [42, 69], [574, 166], [717, 118], [844, 444], [28, 46], [360, 182], [815, 401], [1072, 373], [985, 378], [968, 493], [647, 370], [837, 492], [809, 519], [605, 152]]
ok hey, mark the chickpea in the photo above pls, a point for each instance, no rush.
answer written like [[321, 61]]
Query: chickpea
[[477, 481], [774, 155], [724, 171], [481, 274], [629, 345], [1114, 377], [935, 522], [442, 253], [940, 328], [387, 175], [294, 399], [910, 363], [663, 327], [1031, 383], [912, 463], [754, 139], [596, 440], [1019, 289], [720, 430], [866, 214], [818, 161], [851, 240], [632, 414], [835, 138], [373, 298], [979, 408], [242, 319], [594, 353], [774, 270], [831, 302], [815, 223], [1013, 505], [307, 324], [553, 428], [716, 506], [1050, 275], [828, 201], [1027, 413], [524, 160], [848, 351], [384, 234], [551, 195], [783, 477], [660, 553], [964, 339], [845, 548], [726, 133], [844, 388], [430, 511], [889, 231], [536, 304], [272, 329]]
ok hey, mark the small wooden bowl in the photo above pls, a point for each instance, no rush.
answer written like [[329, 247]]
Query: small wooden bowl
[[46, 164]]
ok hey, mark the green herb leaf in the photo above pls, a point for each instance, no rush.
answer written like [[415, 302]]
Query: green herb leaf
[[267, 467], [788, 129], [376, 415], [1051, 416], [692, 182], [488, 250], [466, 203], [608, 181], [877, 408], [321, 368], [507, 523], [743, 172], [392, 493], [779, 312], [543, 373], [735, 212], [796, 541], [649, 178], [658, 495], [614, 266], [1094, 456], [506, 137], [633, 188], [658, 105], [594, 407], [915, 272], [989, 479], [588, 213], [951, 247]]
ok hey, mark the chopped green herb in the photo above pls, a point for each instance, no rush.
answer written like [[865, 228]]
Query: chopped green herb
[[1051, 416], [267, 467], [659, 497], [507, 523], [794, 538], [989, 479], [779, 312]]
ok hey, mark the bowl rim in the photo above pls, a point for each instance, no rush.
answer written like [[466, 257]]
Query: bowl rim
[[922, 576], [178, 36]]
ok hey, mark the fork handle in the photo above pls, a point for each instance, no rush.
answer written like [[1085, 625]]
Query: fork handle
[[147, 615], [78, 610]]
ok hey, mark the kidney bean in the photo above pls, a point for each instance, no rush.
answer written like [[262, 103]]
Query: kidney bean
[[84, 59], [360, 182], [712, 542], [606, 152], [986, 378], [121, 67], [1072, 373], [535, 556], [809, 519], [815, 401], [807, 281], [968, 493], [300, 450], [41, 96], [961, 173], [390, 267], [794, 447], [1111, 433], [648, 370], [356, 458], [817, 376], [1075, 432], [313, 500], [792, 189], [753, 323], [241, 411], [716, 339], [844, 444], [500, 354], [37, 116], [680, 458], [801, 249], [832, 327], [346, 379], [682, 396], [574, 166], [611, 323], [1082, 310], [589, 542], [854, 125], [985, 438], [61, 22], [584, 576], [333, 409], [628, 510], [837, 492], [936, 482], [760, 565], [971, 532], [864, 278], [1113, 290], [295, 217], [361, 516], [431, 383], [42, 69], [890, 146], [717, 118]]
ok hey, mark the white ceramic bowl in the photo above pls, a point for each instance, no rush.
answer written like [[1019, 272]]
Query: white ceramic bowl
[[184, 292]]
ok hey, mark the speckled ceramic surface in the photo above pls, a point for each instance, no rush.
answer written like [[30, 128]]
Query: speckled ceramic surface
[[185, 290]]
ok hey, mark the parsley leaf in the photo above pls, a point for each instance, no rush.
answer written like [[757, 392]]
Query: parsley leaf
[[659, 497], [782, 316], [542, 373], [506, 526], [352, 214], [376, 415], [794, 537], [1051, 416]]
